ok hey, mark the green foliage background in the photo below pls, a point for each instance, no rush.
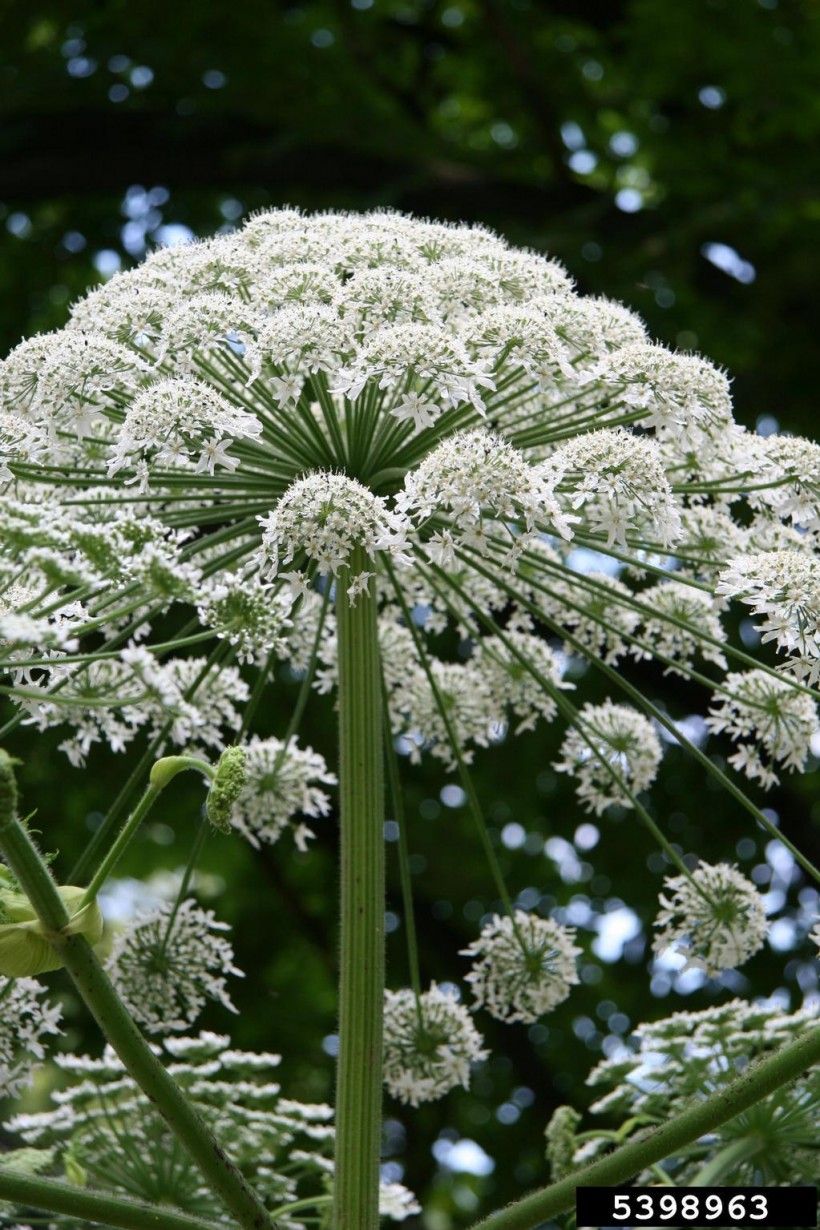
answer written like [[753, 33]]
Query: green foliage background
[[624, 139]]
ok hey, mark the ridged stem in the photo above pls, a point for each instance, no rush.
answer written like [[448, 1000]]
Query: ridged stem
[[361, 985], [757, 1082]]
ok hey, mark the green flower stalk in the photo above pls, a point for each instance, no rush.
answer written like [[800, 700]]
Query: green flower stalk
[[162, 773]]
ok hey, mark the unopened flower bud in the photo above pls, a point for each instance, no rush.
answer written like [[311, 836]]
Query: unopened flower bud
[[226, 788]]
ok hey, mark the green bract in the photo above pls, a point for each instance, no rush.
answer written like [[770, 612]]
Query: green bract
[[25, 947]]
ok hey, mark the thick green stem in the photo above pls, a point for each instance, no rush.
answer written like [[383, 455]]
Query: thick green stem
[[53, 1196], [102, 1000], [760, 1079], [361, 987]]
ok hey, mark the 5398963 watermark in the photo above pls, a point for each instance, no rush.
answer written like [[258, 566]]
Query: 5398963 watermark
[[787, 1207]]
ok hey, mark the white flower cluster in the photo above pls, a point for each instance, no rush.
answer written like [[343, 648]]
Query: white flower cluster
[[27, 1020], [613, 753], [523, 674], [436, 357], [324, 517], [687, 398], [792, 466], [458, 709], [180, 422], [396, 1202], [21, 632], [168, 963], [63, 383], [683, 1059], [772, 723], [430, 1044], [716, 919], [684, 624], [524, 966], [235, 417], [476, 475], [709, 538], [113, 699], [618, 480], [283, 1148], [594, 609], [509, 680], [283, 782], [251, 616], [689, 1053], [783, 588]]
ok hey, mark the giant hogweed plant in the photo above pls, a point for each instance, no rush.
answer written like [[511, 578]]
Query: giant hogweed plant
[[344, 443]]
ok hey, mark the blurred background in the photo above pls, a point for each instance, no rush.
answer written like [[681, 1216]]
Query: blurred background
[[668, 155]]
